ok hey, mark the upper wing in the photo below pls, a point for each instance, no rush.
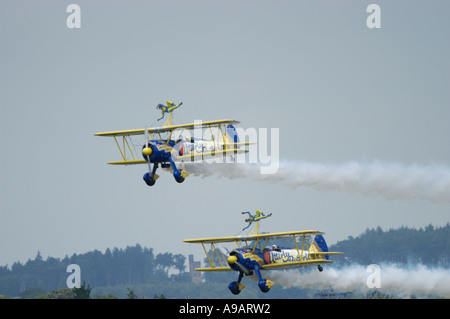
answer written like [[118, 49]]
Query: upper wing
[[214, 240], [287, 234], [191, 125], [167, 128], [252, 237], [122, 133]]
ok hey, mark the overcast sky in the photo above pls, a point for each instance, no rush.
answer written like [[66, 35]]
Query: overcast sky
[[337, 90]]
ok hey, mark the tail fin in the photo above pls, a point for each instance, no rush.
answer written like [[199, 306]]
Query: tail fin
[[319, 245], [231, 135]]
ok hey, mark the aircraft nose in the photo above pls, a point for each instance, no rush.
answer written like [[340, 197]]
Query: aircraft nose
[[232, 259], [147, 151]]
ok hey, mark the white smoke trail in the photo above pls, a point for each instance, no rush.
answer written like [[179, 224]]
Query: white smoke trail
[[393, 181], [402, 282]]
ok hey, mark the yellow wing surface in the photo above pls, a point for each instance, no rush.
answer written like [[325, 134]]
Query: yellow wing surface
[[253, 237], [130, 153], [315, 257], [165, 129]]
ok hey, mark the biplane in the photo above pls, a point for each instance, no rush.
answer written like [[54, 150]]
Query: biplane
[[254, 254], [170, 144]]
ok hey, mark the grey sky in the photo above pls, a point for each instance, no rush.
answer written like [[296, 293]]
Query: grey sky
[[337, 90]]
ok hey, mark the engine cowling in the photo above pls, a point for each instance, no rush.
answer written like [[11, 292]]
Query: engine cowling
[[235, 264]]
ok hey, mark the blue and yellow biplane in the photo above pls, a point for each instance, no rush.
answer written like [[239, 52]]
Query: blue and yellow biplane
[[170, 144], [254, 254]]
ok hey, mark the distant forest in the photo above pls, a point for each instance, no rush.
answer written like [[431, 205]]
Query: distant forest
[[136, 270], [429, 246], [130, 266]]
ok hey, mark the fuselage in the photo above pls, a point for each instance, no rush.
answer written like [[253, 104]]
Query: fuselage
[[282, 256], [162, 150]]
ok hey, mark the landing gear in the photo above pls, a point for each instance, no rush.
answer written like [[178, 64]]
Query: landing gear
[[151, 177], [236, 286], [178, 174], [320, 268], [155, 158], [149, 180], [263, 284], [178, 177]]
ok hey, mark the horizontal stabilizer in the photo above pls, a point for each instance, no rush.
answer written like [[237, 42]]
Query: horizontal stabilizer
[[323, 253], [238, 144], [214, 269]]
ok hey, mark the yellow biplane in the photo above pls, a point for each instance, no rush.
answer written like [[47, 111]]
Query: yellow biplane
[[170, 144], [254, 254]]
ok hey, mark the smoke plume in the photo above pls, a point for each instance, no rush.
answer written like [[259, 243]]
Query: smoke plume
[[401, 282], [393, 181]]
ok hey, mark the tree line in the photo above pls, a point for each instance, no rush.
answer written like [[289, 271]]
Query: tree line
[[130, 266], [428, 246]]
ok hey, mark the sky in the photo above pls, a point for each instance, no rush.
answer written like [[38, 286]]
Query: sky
[[338, 91]]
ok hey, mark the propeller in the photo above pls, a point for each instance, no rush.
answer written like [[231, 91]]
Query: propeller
[[147, 150], [234, 260]]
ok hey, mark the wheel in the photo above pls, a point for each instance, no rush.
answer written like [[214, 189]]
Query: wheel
[[234, 288], [178, 177], [262, 284], [148, 179]]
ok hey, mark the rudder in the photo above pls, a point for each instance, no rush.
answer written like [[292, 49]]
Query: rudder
[[319, 245], [232, 136]]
